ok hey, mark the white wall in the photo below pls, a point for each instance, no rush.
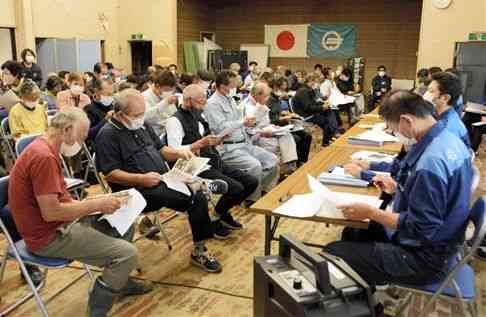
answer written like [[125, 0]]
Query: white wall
[[441, 29], [7, 13]]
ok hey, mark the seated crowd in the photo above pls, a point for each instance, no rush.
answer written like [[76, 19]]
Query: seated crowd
[[138, 126]]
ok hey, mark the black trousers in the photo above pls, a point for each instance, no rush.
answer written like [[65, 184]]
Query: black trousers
[[346, 107], [196, 207], [240, 186], [380, 261], [303, 140], [327, 122], [372, 100], [477, 136]]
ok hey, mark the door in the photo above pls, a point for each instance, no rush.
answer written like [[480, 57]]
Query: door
[[141, 56]]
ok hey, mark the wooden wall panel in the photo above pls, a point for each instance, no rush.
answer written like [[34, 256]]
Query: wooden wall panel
[[388, 30], [192, 17]]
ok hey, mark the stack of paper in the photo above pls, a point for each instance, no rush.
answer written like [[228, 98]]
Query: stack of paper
[[124, 217], [476, 108], [280, 130], [339, 177], [337, 98], [371, 156], [184, 172], [373, 137], [322, 202]]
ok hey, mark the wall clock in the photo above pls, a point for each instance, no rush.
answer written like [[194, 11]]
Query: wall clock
[[441, 4]]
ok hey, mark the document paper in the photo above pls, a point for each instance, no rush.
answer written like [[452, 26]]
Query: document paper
[[124, 217], [322, 202]]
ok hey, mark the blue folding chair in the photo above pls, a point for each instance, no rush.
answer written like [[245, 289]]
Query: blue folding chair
[[17, 251], [459, 283]]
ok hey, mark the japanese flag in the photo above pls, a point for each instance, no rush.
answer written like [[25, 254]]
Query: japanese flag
[[287, 40]]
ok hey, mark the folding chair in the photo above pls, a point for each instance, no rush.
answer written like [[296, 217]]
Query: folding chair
[[72, 184], [7, 138], [156, 219], [459, 283], [90, 164], [17, 251]]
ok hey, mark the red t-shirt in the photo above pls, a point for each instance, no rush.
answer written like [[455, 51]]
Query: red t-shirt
[[37, 172]]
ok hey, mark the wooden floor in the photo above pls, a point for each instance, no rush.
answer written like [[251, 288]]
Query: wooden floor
[[183, 290]]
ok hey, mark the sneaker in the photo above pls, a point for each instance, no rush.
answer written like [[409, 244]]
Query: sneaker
[[220, 232], [147, 228], [481, 253], [136, 287], [206, 262], [216, 186], [229, 222], [35, 274]]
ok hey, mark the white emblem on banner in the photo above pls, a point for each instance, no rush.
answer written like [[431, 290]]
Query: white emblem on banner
[[332, 41]]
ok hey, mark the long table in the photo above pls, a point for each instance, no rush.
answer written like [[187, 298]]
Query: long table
[[337, 154], [355, 130]]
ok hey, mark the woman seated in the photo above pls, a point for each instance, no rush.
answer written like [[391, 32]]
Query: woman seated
[[344, 82], [29, 115], [54, 85], [74, 96], [281, 116]]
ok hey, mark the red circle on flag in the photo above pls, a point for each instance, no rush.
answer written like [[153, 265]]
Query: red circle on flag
[[285, 40]]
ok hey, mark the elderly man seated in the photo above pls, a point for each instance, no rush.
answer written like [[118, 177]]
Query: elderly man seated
[[188, 129], [47, 217], [412, 242], [237, 151], [130, 154], [262, 134]]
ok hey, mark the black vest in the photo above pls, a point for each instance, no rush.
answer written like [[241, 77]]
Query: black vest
[[190, 120]]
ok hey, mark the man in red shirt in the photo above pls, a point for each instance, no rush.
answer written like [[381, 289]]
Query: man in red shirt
[[51, 223]]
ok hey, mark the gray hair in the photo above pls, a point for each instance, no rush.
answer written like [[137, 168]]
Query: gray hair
[[68, 118], [122, 99]]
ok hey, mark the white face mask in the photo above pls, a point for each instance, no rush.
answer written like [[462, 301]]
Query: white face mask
[[76, 89], [232, 92], [408, 142], [166, 94], [429, 97], [135, 124], [106, 100], [29, 59], [381, 73], [30, 104], [70, 150]]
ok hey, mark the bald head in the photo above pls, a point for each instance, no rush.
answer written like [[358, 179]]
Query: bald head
[[194, 96], [260, 92]]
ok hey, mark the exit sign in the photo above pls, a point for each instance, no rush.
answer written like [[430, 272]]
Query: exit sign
[[477, 36]]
